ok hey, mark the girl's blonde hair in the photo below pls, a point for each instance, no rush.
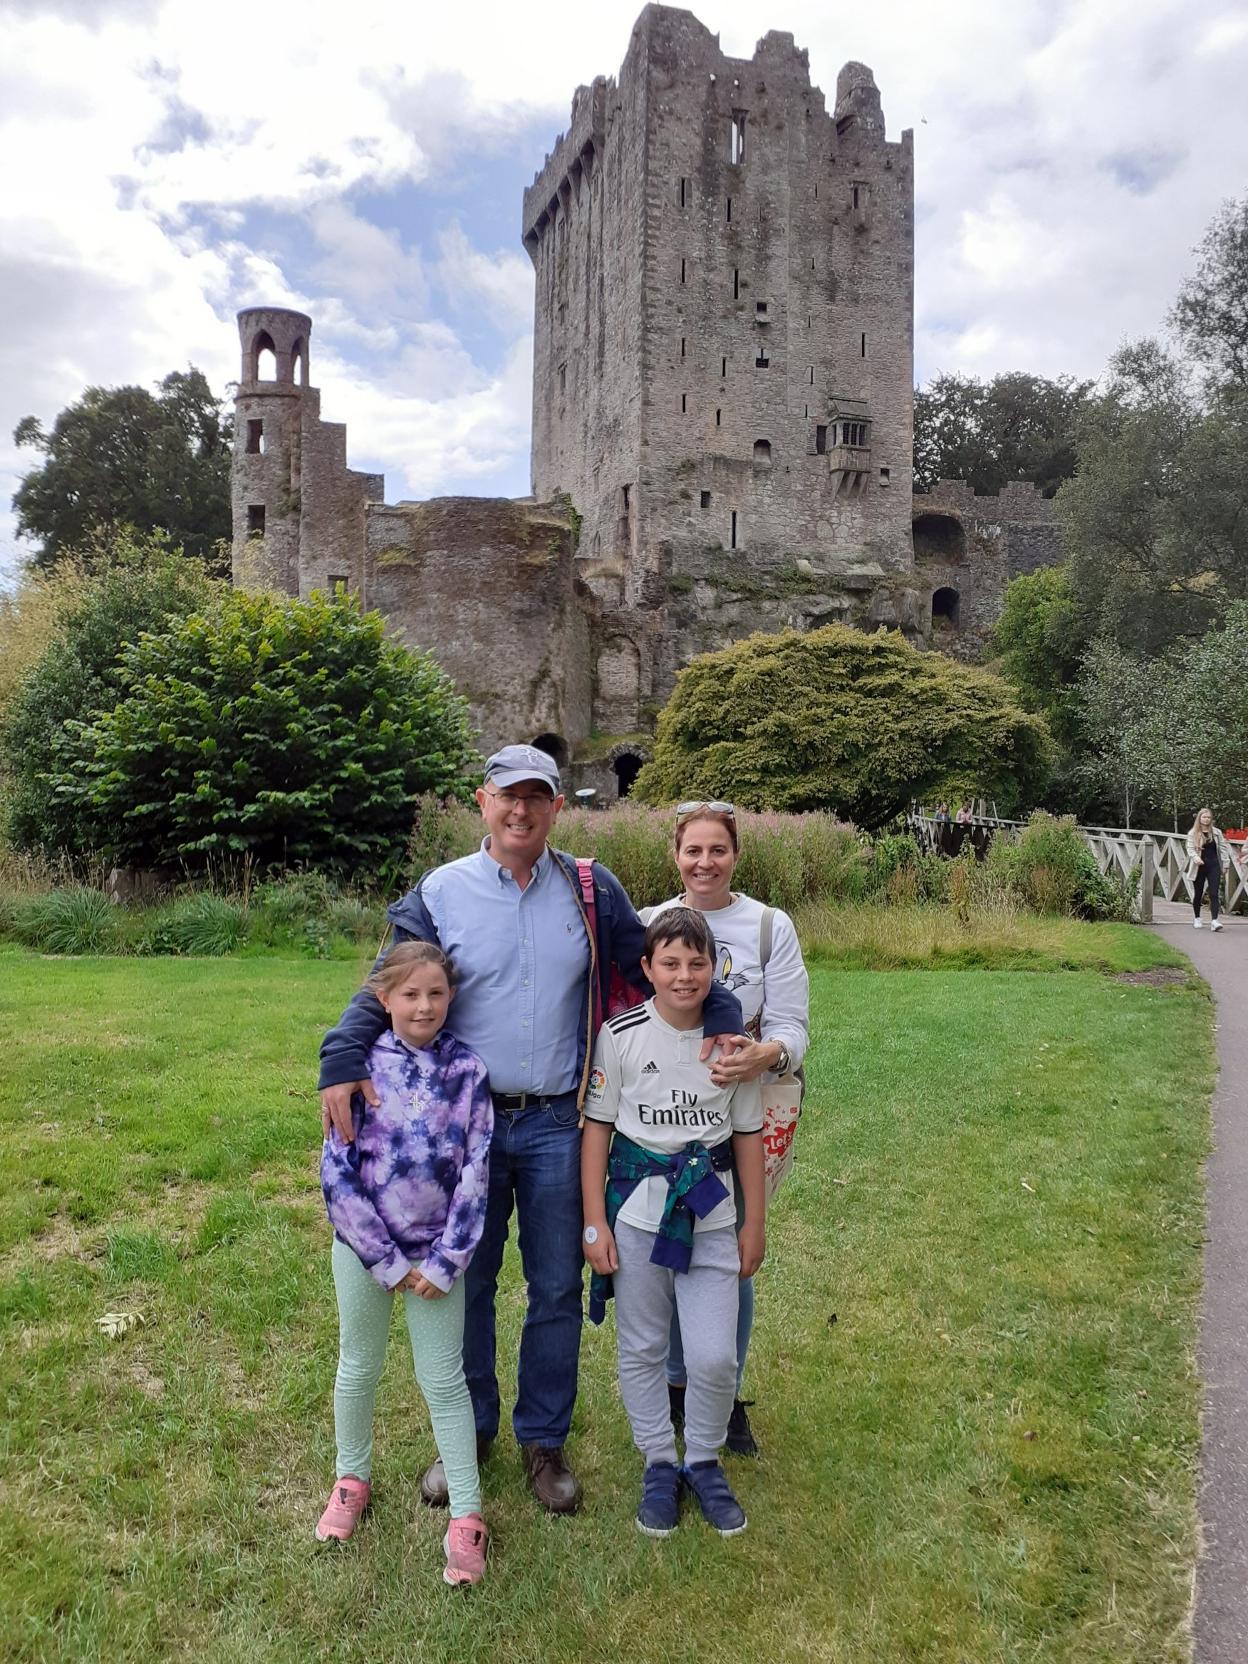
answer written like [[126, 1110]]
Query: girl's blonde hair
[[1196, 822], [402, 958]]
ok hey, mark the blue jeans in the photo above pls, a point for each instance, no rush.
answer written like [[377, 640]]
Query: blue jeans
[[745, 1324], [535, 1166]]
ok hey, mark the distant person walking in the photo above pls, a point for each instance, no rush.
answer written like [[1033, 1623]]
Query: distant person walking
[[1208, 857], [964, 817]]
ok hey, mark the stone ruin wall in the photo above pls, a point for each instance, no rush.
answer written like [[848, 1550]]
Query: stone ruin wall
[[972, 546]]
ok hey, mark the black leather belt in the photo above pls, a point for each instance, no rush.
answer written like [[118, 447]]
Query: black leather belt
[[512, 1103]]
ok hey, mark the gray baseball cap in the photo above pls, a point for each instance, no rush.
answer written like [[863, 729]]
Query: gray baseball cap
[[522, 762]]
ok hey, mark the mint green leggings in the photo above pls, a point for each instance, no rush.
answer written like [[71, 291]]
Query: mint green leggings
[[436, 1328]]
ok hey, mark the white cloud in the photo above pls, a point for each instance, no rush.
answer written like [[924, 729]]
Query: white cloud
[[503, 280]]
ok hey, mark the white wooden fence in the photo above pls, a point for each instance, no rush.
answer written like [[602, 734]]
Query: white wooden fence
[[1158, 859]]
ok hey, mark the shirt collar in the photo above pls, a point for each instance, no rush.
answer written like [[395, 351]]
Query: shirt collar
[[504, 873]]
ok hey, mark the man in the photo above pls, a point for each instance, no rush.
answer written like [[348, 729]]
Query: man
[[512, 919]]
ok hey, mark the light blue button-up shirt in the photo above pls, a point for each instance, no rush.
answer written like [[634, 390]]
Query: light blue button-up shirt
[[522, 957]]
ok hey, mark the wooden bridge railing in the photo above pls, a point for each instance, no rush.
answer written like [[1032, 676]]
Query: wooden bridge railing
[[1158, 858]]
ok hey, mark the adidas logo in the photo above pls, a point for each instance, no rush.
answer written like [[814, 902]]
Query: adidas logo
[[650, 1069]]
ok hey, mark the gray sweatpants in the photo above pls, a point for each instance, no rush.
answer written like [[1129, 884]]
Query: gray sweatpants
[[705, 1297]]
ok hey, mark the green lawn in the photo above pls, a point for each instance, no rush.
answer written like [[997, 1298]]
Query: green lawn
[[973, 1362]]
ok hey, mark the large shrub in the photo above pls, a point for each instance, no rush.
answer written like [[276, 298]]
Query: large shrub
[[283, 732], [838, 720], [135, 584], [1049, 868]]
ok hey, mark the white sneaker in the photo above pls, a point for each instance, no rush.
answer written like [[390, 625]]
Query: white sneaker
[[1216, 925], [1195, 924]]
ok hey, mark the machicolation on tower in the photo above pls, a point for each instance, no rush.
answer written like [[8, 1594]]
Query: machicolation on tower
[[722, 416]]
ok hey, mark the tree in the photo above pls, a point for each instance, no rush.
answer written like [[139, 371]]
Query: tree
[[1114, 691], [1211, 312], [134, 584], [835, 719], [278, 730], [1037, 640], [1015, 427], [122, 456], [1156, 520]]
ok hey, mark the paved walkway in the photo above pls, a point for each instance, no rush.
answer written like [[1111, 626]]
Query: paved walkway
[[1222, 1572]]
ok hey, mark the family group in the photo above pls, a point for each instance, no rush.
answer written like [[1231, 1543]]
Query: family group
[[531, 1044]]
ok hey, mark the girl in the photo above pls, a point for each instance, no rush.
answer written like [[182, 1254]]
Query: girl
[[1208, 857], [406, 1199], [775, 1001]]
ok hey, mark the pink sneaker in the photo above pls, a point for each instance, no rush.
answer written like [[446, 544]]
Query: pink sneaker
[[347, 1501], [465, 1544]]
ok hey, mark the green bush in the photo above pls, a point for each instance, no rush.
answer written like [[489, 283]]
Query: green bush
[[277, 731], [203, 926], [1049, 869], [838, 720], [141, 584], [903, 873], [71, 921]]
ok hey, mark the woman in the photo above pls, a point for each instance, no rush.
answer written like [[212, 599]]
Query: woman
[[775, 1001], [1208, 857]]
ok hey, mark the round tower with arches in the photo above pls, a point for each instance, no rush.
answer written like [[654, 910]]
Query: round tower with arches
[[268, 447]]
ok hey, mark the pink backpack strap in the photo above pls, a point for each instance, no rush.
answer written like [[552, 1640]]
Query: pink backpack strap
[[585, 872]]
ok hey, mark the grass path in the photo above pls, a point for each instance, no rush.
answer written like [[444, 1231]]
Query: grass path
[[973, 1362]]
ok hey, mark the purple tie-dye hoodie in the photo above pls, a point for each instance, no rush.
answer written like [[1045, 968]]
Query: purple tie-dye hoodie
[[411, 1189]]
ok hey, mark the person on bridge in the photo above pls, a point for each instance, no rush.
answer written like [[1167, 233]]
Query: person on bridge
[[1208, 857]]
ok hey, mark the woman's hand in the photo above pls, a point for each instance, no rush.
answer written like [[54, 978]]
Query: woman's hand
[[751, 1059]]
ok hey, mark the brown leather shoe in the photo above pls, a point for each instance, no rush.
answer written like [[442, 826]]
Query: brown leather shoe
[[550, 1478], [434, 1492]]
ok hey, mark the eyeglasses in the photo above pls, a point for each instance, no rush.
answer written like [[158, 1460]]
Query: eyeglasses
[[715, 807], [513, 800]]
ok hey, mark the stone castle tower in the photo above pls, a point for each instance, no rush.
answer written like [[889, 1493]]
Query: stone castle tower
[[722, 416], [723, 354]]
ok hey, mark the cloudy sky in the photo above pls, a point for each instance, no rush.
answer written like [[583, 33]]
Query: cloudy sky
[[163, 164]]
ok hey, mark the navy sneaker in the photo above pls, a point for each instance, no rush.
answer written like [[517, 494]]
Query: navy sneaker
[[720, 1509], [659, 1514]]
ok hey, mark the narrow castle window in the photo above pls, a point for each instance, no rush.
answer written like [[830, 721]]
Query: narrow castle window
[[884, 476], [864, 344], [684, 192], [682, 271], [762, 453], [705, 499], [265, 357], [682, 346], [723, 368], [683, 404], [812, 375], [760, 309], [255, 438], [821, 439], [733, 530], [719, 418], [856, 190], [736, 283], [736, 138], [816, 182], [728, 214], [255, 520], [563, 378], [762, 361]]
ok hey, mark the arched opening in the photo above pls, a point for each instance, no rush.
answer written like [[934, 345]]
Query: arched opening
[[945, 608], [627, 767], [299, 362], [263, 358], [938, 537], [762, 453], [554, 747]]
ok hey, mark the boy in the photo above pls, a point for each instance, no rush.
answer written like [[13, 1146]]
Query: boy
[[660, 1217]]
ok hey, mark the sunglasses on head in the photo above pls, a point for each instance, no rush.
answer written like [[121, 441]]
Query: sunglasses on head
[[715, 807]]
